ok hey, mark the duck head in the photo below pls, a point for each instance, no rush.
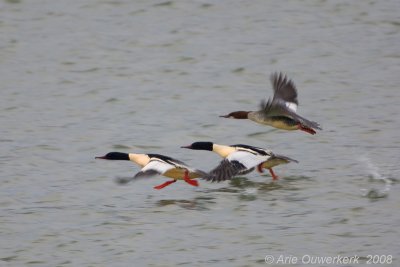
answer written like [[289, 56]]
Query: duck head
[[115, 156], [237, 115], [200, 146]]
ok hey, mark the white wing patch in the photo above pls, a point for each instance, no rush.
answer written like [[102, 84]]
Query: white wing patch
[[247, 159], [292, 106], [158, 166]]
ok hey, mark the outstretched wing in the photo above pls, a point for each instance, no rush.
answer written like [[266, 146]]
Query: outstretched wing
[[246, 171], [154, 167], [249, 160], [277, 108], [253, 149], [225, 171], [284, 90], [239, 162]]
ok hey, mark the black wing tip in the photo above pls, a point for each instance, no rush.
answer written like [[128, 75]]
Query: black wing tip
[[276, 74], [279, 76]]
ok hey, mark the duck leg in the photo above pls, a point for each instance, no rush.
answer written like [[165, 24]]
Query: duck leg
[[274, 176], [260, 170], [188, 180], [161, 186]]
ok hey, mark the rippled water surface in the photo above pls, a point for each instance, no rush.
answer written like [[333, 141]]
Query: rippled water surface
[[82, 78]]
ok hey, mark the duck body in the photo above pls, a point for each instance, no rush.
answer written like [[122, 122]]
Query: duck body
[[179, 168], [279, 122], [276, 160], [272, 161], [240, 159], [156, 164], [280, 111]]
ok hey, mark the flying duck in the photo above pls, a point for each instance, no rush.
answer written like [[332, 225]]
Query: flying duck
[[280, 112], [153, 164], [241, 159]]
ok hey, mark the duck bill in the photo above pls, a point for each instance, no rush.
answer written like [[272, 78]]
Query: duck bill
[[224, 116], [102, 157], [188, 147]]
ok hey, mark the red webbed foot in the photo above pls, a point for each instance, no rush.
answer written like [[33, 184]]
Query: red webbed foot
[[188, 180], [161, 186], [274, 176], [192, 182]]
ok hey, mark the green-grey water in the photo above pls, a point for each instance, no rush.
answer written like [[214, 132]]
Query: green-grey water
[[82, 78]]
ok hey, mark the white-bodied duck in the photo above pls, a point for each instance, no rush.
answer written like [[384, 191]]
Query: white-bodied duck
[[155, 164], [241, 159], [280, 112]]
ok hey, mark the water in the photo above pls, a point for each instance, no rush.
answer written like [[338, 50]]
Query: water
[[82, 79]]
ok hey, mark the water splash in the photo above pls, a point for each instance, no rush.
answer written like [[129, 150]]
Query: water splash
[[375, 174]]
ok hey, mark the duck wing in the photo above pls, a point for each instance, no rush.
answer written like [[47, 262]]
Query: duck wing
[[244, 172], [239, 162], [154, 167], [279, 108], [253, 149], [225, 171], [284, 90], [168, 160]]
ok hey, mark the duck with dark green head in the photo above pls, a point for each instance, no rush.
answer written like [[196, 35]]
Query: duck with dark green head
[[242, 159]]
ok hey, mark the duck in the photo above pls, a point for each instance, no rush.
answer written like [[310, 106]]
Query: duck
[[241, 159], [156, 164], [281, 111]]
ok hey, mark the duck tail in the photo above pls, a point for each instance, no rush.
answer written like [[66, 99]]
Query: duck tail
[[283, 159]]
